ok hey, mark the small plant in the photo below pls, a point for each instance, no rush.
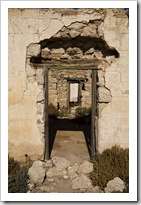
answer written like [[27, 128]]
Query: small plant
[[52, 111], [13, 166], [82, 111], [63, 111], [109, 164], [17, 177]]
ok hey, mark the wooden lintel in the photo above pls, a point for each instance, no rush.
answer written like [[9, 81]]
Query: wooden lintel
[[72, 64]]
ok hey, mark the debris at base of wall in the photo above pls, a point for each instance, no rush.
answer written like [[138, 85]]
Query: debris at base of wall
[[115, 185], [51, 176]]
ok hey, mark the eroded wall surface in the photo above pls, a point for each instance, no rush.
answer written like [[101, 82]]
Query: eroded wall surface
[[113, 123], [33, 26]]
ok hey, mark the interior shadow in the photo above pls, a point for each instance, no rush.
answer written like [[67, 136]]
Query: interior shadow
[[78, 124]]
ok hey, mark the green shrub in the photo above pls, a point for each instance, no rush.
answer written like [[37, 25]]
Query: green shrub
[[17, 177], [82, 111], [52, 111], [109, 164], [63, 112], [13, 166]]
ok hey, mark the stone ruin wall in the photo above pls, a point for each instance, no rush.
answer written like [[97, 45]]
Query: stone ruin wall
[[26, 83], [58, 87]]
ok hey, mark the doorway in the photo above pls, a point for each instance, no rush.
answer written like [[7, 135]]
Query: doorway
[[73, 99]]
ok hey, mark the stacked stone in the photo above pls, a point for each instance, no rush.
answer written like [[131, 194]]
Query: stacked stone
[[37, 75], [44, 177], [58, 88], [72, 52]]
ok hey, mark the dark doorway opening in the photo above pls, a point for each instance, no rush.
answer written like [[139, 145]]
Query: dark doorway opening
[[77, 124]]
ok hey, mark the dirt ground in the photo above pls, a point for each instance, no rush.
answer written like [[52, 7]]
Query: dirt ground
[[71, 145]]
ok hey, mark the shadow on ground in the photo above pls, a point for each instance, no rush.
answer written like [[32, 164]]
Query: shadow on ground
[[82, 124]]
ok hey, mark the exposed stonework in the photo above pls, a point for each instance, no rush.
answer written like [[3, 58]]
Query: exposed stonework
[[33, 50], [54, 176], [115, 185], [44, 176], [39, 37], [81, 182], [37, 172], [60, 163], [104, 95], [85, 168]]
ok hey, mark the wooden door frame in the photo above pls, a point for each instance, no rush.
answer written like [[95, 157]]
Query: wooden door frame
[[93, 105]]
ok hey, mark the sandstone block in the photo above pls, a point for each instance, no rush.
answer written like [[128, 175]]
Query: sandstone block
[[40, 79], [31, 79], [65, 56], [58, 51], [86, 167], [31, 186], [72, 171], [110, 59], [88, 57], [40, 108], [51, 27], [60, 163], [104, 95], [86, 94], [39, 72], [98, 55], [55, 173], [45, 53], [40, 97], [73, 51], [115, 185], [41, 127], [74, 33], [101, 79], [77, 26], [34, 50], [49, 164], [52, 92], [29, 71], [101, 106], [101, 30], [90, 30], [41, 117], [37, 172], [81, 182], [90, 51], [54, 86]]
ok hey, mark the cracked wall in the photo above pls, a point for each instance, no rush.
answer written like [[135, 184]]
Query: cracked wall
[[109, 29]]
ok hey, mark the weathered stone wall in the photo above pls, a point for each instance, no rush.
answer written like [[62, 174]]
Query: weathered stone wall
[[58, 86], [114, 121], [103, 30]]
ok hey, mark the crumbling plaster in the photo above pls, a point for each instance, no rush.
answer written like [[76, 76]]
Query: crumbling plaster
[[28, 26]]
